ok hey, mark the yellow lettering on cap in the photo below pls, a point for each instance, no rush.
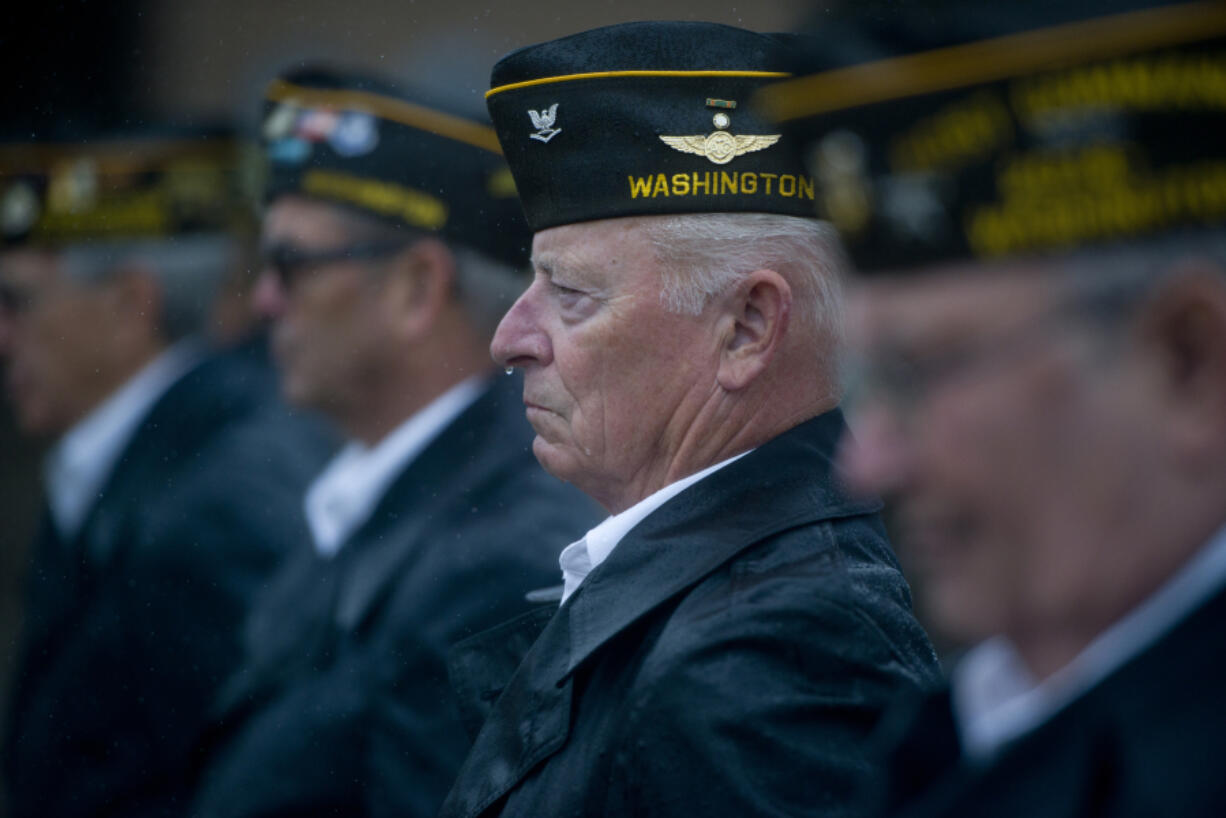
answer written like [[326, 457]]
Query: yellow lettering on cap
[[721, 183], [640, 186]]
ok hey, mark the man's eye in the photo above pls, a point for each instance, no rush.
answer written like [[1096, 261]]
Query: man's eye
[[567, 295]]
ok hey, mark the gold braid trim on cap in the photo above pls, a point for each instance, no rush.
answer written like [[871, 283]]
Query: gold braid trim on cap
[[389, 108], [994, 59]]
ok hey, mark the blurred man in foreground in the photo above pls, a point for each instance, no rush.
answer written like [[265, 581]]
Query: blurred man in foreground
[[728, 638], [172, 485], [1041, 324], [393, 243]]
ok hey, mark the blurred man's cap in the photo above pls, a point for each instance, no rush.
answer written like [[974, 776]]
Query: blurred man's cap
[[364, 143], [931, 144], [153, 185], [644, 119]]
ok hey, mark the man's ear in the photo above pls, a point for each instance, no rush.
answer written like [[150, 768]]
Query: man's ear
[[755, 321], [418, 286], [1185, 325]]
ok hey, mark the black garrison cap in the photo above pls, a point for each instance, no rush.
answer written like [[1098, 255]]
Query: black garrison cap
[[364, 143], [1052, 128], [161, 184], [643, 119]]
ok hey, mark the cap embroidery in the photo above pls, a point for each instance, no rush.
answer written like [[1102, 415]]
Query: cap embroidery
[[543, 122], [720, 146]]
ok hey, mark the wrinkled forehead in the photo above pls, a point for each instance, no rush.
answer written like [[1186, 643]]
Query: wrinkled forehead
[[613, 251]]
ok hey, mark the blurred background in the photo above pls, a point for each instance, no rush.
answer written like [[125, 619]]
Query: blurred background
[[69, 67]]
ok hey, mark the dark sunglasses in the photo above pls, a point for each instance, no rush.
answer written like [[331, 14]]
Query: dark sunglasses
[[289, 263]]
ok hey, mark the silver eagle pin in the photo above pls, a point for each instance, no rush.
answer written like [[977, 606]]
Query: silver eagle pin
[[543, 122]]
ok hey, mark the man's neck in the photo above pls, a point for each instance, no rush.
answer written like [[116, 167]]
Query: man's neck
[[110, 380], [717, 433]]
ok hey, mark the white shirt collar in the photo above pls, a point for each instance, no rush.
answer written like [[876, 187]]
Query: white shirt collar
[[345, 493], [580, 557], [77, 468], [996, 699]]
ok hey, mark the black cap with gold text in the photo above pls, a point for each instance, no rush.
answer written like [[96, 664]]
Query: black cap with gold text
[[366, 144], [646, 118], [1032, 140], [112, 187]]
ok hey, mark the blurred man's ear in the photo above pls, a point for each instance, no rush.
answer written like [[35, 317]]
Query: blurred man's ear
[[419, 285], [1185, 325], [133, 297], [755, 321]]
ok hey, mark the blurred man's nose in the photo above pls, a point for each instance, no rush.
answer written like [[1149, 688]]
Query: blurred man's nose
[[519, 339], [8, 328], [875, 458], [269, 297]]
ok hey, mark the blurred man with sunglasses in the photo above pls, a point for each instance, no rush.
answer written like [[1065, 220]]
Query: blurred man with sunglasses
[[393, 242], [173, 480], [1035, 196]]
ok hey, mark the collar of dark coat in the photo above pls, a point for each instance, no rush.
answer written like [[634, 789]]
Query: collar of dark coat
[[785, 483], [212, 394], [485, 438]]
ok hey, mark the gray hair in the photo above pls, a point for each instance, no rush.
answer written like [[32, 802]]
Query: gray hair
[[1115, 280], [704, 254], [484, 288], [189, 271]]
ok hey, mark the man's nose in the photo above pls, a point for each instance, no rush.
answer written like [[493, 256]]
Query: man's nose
[[519, 339], [269, 298], [875, 457]]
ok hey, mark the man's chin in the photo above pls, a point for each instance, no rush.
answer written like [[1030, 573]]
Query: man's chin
[[962, 617], [555, 459], [37, 421], [302, 394]]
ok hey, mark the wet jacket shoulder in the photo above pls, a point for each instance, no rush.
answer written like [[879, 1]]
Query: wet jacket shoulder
[[729, 658], [342, 704], [130, 626]]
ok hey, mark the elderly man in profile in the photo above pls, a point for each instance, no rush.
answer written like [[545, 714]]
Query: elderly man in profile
[[1045, 397], [172, 485], [393, 244], [728, 637]]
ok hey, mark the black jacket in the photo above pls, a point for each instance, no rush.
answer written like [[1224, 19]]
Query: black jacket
[[1148, 740], [130, 628], [343, 706], [728, 658]]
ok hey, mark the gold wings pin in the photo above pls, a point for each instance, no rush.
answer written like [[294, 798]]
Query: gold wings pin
[[720, 147]]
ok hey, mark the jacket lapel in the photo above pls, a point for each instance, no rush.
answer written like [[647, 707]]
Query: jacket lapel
[[470, 449], [530, 720], [671, 550], [782, 484], [480, 667]]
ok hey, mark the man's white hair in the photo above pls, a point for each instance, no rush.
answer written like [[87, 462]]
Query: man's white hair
[[704, 254], [189, 271]]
